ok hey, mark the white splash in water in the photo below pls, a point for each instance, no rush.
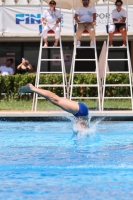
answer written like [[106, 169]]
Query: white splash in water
[[85, 128]]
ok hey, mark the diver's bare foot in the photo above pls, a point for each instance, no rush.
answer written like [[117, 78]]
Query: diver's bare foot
[[25, 89]]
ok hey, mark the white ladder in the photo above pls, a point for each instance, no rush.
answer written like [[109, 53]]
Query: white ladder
[[129, 72], [63, 72], [72, 73]]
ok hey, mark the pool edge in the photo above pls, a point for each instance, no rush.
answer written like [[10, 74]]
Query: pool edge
[[63, 116]]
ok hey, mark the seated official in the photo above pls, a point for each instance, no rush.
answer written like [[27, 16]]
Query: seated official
[[7, 69], [119, 18], [85, 16], [24, 67], [51, 18]]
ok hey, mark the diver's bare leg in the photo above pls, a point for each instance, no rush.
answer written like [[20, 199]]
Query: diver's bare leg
[[65, 104]]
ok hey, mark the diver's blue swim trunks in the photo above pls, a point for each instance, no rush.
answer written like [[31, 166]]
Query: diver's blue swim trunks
[[83, 110]]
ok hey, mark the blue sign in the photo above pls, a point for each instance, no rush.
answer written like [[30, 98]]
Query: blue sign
[[28, 18]]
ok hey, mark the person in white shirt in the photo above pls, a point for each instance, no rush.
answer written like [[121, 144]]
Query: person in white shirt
[[119, 19], [85, 16], [51, 19], [7, 70]]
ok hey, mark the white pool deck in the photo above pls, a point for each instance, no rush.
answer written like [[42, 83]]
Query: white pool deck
[[125, 113]]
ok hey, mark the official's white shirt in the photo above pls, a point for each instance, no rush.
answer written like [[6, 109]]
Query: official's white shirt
[[51, 17], [119, 15], [6, 70], [85, 13]]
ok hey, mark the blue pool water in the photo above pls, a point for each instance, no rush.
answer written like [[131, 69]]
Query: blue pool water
[[46, 160]]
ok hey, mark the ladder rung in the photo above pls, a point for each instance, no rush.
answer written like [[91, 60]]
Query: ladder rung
[[85, 72], [50, 72], [117, 85], [85, 85], [118, 47], [51, 47], [51, 85], [85, 47], [51, 59], [117, 59], [119, 72], [84, 98], [40, 98], [85, 59], [117, 97]]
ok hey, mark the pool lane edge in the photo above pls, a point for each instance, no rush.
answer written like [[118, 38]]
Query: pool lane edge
[[64, 116]]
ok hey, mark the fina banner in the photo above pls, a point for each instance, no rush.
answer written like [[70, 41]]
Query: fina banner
[[22, 19], [26, 19]]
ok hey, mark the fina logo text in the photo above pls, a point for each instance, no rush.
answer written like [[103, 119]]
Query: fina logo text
[[28, 18]]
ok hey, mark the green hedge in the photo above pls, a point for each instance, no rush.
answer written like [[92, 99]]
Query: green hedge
[[109, 91], [117, 91], [10, 84]]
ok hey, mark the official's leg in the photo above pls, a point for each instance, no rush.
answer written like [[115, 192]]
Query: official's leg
[[79, 32], [91, 30], [111, 31], [123, 32], [56, 29], [111, 38], [45, 33]]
